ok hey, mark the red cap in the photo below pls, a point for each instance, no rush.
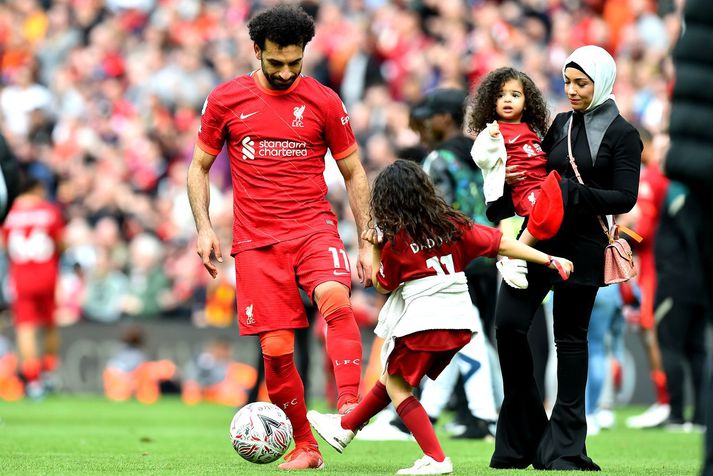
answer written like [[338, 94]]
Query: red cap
[[548, 211]]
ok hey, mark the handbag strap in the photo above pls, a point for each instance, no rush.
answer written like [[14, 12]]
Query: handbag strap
[[614, 235], [579, 177]]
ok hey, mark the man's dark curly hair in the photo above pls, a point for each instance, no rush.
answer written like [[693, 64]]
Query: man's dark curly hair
[[404, 198], [482, 104], [284, 25]]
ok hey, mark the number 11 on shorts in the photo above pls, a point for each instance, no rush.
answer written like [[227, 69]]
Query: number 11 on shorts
[[336, 253]]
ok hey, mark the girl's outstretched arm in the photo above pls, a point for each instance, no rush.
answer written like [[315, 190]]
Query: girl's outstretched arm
[[515, 249]]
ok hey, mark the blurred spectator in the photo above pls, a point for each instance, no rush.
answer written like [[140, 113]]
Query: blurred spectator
[[680, 312], [213, 376], [148, 294], [62, 37], [105, 289], [130, 373], [11, 387], [220, 307], [20, 99], [70, 294]]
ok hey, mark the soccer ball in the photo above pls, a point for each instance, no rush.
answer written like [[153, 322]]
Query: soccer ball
[[261, 432]]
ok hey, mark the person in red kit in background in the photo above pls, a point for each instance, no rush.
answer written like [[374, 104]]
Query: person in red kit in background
[[32, 234], [278, 125], [422, 246], [511, 116], [653, 185]]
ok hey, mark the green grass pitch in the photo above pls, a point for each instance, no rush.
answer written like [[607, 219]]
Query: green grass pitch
[[66, 435]]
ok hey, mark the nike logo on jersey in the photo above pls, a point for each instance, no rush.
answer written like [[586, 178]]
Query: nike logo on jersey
[[342, 273], [514, 138], [245, 116]]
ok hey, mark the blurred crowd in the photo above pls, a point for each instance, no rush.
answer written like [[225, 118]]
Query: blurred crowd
[[101, 100]]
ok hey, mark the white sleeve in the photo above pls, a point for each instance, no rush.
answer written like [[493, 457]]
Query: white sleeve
[[487, 150]]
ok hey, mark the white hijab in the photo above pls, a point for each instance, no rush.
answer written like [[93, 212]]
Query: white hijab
[[600, 67]]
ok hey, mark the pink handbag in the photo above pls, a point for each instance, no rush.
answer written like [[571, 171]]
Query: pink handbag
[[619, 263], [618, 259]]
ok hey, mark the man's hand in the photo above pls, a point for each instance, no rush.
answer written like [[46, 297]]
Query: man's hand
[[207, 244]]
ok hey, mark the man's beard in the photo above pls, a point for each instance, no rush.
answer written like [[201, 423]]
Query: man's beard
[[277, 83]]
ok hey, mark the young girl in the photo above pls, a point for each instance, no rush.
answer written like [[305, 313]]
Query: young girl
[[510, 115], [421, 248]]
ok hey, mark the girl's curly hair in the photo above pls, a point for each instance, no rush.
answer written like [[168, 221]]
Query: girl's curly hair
[[285, 25], [482, 103], [404, 198]]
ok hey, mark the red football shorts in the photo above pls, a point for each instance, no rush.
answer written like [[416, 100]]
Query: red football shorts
[[268, 280], [34, 310], [425, 353]]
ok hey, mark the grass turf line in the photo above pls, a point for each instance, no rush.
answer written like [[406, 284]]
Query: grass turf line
[[87, 435]]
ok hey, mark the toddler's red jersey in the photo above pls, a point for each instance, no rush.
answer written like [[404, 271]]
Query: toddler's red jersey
[[524, 149], [31, 231], [276, 142], [403, 260]]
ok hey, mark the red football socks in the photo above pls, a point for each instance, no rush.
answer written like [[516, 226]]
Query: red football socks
[[659, 379], [416, 420], [31, 369], [344, 350], [49, 363], [284, 386], [375, 401]]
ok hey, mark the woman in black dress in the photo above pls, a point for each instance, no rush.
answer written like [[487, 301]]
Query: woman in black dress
[[607, 151]]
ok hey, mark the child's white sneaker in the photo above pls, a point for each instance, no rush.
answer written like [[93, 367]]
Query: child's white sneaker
[[329, 427], [428, 465]]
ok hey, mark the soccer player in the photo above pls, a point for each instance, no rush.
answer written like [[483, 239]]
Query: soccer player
[[653, 187], [278, 125], [32, 235]]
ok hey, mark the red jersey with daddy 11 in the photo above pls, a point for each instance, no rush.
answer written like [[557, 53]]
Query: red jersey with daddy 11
[[404, 260], [276, 141]]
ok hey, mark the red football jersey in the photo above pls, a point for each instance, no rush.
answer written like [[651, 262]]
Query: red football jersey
[[524, 149], [276, 142], [653, 186], [405, 261], [31, 231]]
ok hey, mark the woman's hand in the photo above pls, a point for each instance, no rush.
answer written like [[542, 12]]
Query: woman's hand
[[512, 175], [562, 265]]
